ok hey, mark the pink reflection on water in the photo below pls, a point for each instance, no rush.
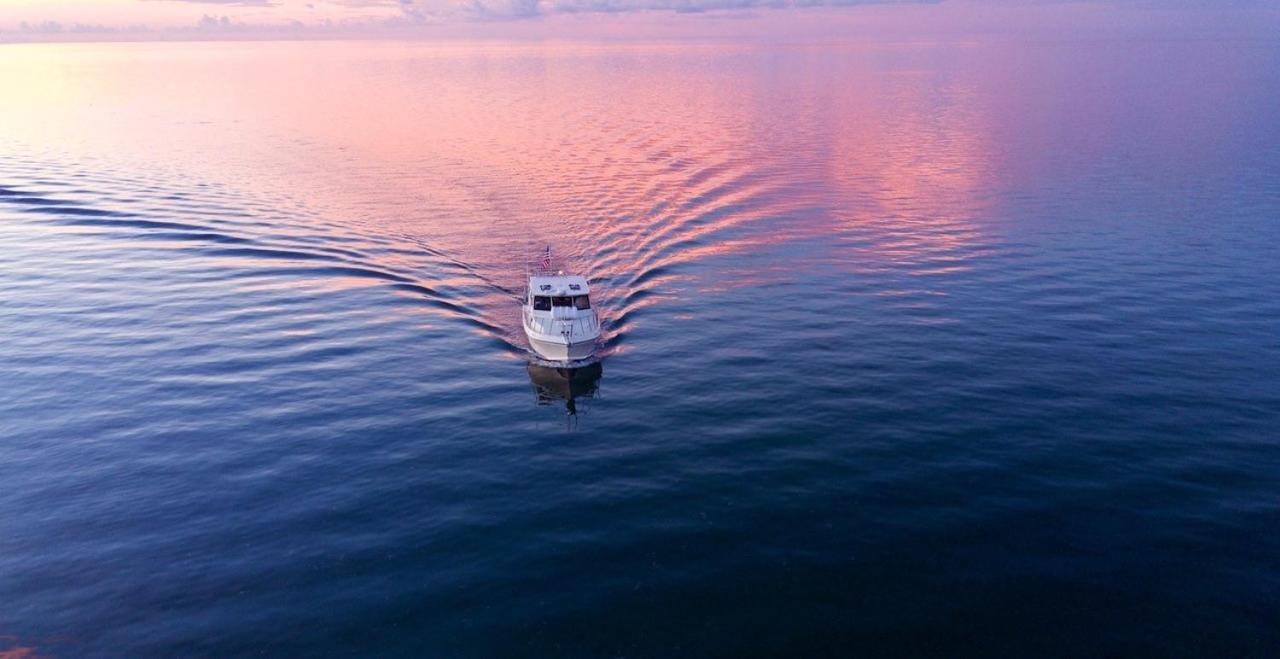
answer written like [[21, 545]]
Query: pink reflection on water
[[655, 168], [635, 159]]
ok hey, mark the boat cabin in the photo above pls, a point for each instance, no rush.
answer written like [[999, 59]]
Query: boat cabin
[[550, 292]]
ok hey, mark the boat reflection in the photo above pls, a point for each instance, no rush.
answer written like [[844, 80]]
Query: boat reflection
[[552, 384]]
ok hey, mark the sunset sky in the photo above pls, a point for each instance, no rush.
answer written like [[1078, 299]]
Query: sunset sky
[[70, 19]]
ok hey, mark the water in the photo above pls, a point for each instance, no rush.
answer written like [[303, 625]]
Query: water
[[910, 349]]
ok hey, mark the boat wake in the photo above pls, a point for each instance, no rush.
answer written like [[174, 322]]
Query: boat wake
[[251, 244], [633, 240]]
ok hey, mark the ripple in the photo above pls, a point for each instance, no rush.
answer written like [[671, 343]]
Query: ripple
[[879, 318]]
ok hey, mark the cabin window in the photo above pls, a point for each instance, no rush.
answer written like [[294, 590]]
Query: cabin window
[[562, 302], [581, 302], [541, 303]]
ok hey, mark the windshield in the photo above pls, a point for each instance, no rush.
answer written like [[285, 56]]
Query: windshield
[[544, 302]]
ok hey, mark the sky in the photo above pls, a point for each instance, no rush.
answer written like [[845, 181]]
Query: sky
[[43, 20]]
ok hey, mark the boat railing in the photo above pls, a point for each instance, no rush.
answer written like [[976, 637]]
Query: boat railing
[[578, 326]]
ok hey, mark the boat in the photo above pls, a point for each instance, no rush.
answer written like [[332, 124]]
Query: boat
[[558, 318]]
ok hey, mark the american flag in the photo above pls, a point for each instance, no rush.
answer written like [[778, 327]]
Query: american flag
[[546, 259]]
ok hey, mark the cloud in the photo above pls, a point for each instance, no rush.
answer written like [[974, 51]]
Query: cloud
[[228, 3], [56, 27], [342, 18], [208, 22], [422, 11]]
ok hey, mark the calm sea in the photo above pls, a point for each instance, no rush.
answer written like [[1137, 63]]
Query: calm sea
[[911, 349]]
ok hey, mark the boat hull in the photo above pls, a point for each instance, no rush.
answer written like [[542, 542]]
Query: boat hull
[[560, 351]]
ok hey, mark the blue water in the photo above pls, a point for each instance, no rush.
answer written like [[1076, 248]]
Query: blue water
[[945, 349]]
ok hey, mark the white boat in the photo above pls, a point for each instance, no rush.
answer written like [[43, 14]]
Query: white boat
[[558, 318]]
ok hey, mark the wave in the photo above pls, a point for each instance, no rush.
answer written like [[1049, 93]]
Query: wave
[[261, 245]]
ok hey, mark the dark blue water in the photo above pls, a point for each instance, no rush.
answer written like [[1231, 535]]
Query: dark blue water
[[961, 349]]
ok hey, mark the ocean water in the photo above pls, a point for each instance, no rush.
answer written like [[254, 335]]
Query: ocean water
[[946, 348]]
